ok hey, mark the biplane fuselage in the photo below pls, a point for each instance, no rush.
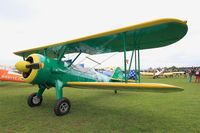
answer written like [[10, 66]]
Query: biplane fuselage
[[53, 70], [44, 65]]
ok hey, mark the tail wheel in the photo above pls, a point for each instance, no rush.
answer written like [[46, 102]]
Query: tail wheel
[[34, 100], [62, 106]]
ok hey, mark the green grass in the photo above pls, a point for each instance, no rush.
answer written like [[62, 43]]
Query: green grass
[[103, 111]]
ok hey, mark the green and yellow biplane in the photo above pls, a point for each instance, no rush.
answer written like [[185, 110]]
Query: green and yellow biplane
[[45, 67]]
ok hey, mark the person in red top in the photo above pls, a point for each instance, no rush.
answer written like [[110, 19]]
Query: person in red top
[[197, 76]]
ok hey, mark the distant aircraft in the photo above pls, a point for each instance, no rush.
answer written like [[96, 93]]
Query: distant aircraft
[[172, 74], [162, 73], [153, 74], [177, 74], [8, 73], [44, 65]]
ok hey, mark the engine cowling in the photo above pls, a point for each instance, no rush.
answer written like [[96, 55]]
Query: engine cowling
[[35, 69]]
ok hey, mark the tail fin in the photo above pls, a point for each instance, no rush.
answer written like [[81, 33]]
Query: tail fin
[[118, 75]]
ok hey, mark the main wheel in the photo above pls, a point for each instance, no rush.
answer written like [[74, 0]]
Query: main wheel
[[62, 106], [34, 100]]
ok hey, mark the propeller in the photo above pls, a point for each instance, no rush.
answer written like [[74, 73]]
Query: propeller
[[25, 66], [34, 66]]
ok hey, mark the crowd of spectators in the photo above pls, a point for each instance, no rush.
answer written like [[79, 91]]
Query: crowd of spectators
[[194, 72]]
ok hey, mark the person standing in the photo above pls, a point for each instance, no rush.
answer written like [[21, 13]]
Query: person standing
[[197, 76], [190, 75], [198, 80]]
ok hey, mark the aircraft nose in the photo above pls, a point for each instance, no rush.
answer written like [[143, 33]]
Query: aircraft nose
[[22, 66], [25, 66]]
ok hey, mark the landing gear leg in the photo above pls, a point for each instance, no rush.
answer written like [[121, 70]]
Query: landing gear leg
[[63, 104], [35, 99]]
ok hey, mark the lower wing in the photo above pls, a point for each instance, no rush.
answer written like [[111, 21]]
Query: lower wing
[[146, 87]]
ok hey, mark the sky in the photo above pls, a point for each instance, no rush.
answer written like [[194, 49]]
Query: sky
[[29, 24]]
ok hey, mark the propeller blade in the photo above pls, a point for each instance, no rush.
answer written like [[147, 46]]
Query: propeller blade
[[34, 65]]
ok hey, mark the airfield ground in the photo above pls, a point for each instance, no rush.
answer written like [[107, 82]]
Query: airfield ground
[[103, 111]]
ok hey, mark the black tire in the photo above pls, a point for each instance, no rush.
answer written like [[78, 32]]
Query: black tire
[[34, 100], [62, 106]]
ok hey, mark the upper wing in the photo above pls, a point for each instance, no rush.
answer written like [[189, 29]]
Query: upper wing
[[155, 87], [146, 35]]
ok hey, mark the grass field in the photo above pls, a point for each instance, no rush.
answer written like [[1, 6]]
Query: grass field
[[103, 111]]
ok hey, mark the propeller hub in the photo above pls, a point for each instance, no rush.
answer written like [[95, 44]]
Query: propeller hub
[[21, 66]]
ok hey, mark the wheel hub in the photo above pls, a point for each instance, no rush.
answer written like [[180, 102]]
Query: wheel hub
[[64, 107], [36, 100]]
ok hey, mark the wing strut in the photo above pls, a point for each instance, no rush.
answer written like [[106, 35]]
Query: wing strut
[[93, 60], [138, 65], [45, 52], [75, 59], [129, 69], [24, 58], [124, 42], [137, 60], [62, 53]]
